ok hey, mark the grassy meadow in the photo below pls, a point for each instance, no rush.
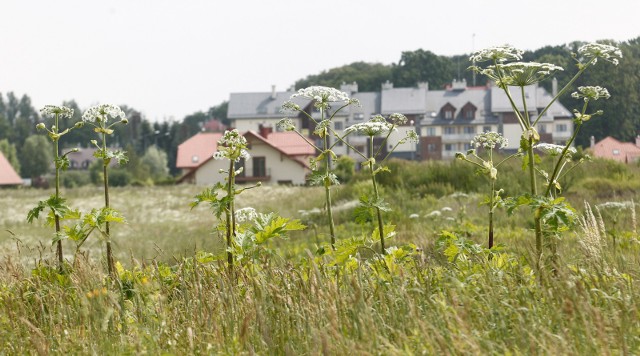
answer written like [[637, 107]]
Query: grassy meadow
[[439, 292]]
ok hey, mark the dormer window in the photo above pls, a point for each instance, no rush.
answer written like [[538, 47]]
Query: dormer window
[[469, 111], [448, 111]]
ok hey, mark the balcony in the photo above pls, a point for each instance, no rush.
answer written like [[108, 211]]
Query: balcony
[[466, 138]]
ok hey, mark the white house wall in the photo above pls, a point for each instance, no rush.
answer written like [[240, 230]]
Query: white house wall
[[280, 167], [209, 172]]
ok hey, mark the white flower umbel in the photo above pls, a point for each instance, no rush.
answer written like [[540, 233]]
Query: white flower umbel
[[489, 140], [322, 94], [591, 93], [554, 150], [101, 114], [498, 54], [245, 214], [232, 146], [609, 53], [378, 125], [61, 111], [520, 74]]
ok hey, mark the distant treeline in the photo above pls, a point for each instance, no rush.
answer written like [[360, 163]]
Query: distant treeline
[[18, 117]]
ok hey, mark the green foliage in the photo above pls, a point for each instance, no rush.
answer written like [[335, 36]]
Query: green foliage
[[36, 156], [156, 161], [368, 76], [10, 153]]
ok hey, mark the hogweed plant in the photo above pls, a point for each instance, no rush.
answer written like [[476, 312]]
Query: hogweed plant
[[322, 99], [58, 209], [519, 75], [377, 126], [103, 118], [232, 147], [487, 142]]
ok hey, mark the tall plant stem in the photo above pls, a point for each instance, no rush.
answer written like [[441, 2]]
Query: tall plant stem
[[56, 217], [491, 203], [231, 223], [105, 174], [327, 191], [377, 196]]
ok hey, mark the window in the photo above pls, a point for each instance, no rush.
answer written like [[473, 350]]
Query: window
[[431, 131], [469, 129], [449, 130], [448, 147], [616, 152], [561, 127], [448, 114], [486, 129], [259, 166], [337, 125], [194, 159], [470, 114], [467, 146], [542, 128], [358, 116], [431, 147]]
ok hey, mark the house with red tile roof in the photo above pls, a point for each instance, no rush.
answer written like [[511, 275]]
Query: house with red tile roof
[[610, 148], [276, 158], [8, 175]]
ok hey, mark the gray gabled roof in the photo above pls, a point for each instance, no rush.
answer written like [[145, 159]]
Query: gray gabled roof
[[258, 105], [536, 98], [407, 101], [369, 104]]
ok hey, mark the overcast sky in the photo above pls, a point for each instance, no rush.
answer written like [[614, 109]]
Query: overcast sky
[[169, 59]]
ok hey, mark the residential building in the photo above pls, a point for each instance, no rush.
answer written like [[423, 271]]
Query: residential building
[[276, 158], [446, 120], [610, 148], [8, 175]]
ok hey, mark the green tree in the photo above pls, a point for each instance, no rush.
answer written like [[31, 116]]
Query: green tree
[[423, 66], [156, 160], [10, 153], [369, 76], [36, 156]]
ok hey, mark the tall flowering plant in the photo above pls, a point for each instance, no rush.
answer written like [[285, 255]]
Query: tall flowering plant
[[377, 126], [506, 70], [487, 142], [57, 205], [322, 98], [103, 118], [232, 147]]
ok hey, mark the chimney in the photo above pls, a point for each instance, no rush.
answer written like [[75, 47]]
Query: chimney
[[273, 92], [387, 85], [423, 85], [593, 142], [554, 87], [638, 141], [264, 130]]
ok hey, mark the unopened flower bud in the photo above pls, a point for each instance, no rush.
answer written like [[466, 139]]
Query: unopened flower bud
[[94, 142], [41, 126], [124, 121], [79, 124]]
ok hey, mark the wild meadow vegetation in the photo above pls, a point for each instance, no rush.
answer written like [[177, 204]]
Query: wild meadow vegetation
[[533, 251]]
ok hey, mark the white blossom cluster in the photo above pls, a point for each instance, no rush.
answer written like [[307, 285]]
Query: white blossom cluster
[[289, 106], [53, 111], [615, 205], [102, 113], [497, 54], [489, 140], [232, 146], [519, 73], [591, 93], [286, 124], [553, 149], [597, 50], [378, 125], [398, 119], [245, 215], [322, 94]]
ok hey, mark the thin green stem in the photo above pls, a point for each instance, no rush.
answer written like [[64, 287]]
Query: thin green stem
[[231, 223], [110, 267], [377, 197], [56, 217]]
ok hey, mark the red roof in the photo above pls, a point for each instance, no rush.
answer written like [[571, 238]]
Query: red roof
[[611, 148], [197, 149], [290, 143], [8, 175], [200, 148]]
